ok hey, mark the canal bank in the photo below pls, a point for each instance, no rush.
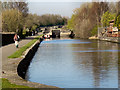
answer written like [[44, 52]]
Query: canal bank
[[109, 39], [110, 34], [11, 66]]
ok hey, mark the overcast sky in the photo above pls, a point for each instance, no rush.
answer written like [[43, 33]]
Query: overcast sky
[[59, 0], [62, 8]]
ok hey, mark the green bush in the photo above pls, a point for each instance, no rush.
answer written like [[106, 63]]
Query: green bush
[[24, 31], [94, 31], [118, 22], [106, 18]]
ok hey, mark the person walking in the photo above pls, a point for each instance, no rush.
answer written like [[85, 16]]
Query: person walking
[[16, 39]]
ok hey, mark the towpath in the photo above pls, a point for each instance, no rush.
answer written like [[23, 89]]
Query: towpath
[[10, 49], [9, 66]]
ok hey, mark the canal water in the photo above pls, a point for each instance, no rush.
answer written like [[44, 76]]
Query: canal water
[[74, 63]]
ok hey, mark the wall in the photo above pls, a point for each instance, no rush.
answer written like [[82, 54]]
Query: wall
[[111, 39], [25, 62], [7, 39]]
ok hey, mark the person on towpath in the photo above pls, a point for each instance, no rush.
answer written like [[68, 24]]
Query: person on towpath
[[16, 39]]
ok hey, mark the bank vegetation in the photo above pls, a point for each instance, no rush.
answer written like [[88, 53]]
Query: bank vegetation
[[91, 15]]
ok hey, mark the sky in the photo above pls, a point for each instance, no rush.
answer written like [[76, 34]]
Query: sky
[[71, 0], [59, 0], [61, 8]]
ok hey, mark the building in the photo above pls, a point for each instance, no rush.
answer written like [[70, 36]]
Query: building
[[112, 31]]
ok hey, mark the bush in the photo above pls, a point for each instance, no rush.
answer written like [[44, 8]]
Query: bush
[[24, 32], [118, 22], [94, 31]]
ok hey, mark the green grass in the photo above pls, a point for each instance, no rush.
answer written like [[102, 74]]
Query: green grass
[[7, 84], [20, 51]]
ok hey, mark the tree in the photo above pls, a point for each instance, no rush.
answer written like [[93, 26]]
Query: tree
[[0, 22], [112, 7], [87, 18], [11, 20], [21, 6], [44, 20], [70, 24], [0, 7], [118, 8], [106, 18], [31, 20], [99, 8], [19, 10], [0, 16], [22, 18], [118, 22], [117, 11], [50, 20]]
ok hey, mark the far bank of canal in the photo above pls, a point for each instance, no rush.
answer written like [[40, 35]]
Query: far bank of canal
[[73, 63]]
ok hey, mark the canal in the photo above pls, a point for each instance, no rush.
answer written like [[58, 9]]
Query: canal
[[75, 63]]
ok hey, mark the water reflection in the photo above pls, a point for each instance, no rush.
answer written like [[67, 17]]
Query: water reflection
[[102, 59], [70, 63]]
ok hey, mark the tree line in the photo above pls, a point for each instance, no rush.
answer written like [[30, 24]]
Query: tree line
[[15, 18], [44, 20], [86, 19]]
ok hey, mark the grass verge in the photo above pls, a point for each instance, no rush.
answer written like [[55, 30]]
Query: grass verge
[[20, 51], [7, 84]]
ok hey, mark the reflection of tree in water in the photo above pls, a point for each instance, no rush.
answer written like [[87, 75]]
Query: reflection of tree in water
[[100, 62], [104, 61]]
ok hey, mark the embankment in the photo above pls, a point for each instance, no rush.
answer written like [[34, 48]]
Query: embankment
[[111, 39], [22, 64], [25, 62]]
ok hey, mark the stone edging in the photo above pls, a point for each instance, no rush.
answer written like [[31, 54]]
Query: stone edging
[[25, 62], [110, 39]]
